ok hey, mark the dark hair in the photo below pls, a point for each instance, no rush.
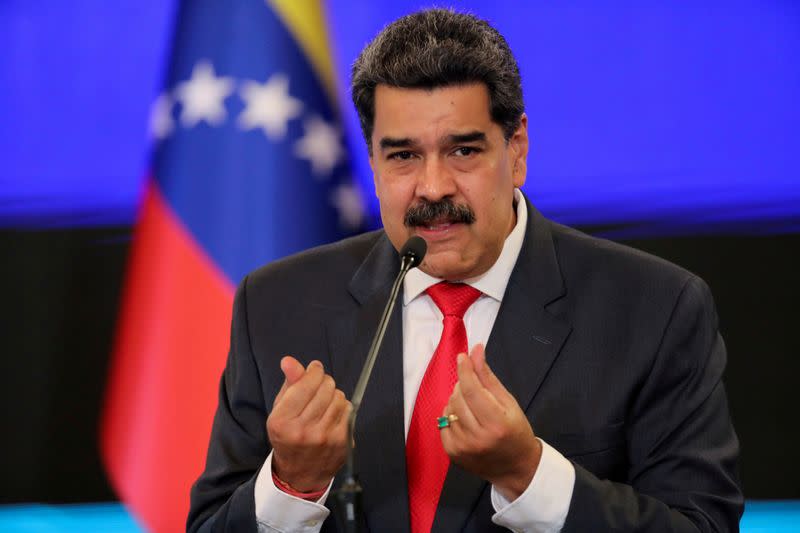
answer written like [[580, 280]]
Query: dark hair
[[436, 48]]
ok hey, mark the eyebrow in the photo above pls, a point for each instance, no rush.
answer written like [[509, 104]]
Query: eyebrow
[[472, 136], [456, 138], [391, 142]]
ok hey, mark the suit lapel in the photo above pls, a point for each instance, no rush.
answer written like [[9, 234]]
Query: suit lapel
[[379, 435], [524, 343], [526, 338]]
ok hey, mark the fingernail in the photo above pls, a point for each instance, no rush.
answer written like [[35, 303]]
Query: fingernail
[[316, 363], [460, 357]]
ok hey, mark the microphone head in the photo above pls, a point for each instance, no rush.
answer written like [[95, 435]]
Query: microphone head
[[414, 250]]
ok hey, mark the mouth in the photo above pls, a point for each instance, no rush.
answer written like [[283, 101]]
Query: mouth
[[438, 225], [437, 230]]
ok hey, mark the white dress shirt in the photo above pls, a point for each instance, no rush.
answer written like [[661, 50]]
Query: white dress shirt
[[543, 507]]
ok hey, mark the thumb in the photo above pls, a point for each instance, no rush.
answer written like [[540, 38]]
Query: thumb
[[292, 371], [485, 374]]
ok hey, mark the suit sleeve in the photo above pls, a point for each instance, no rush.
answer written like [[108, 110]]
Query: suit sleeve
[[682, 448], [222, 499]]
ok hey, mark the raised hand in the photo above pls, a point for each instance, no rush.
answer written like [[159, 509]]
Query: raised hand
[[492, 438], [308, 427]]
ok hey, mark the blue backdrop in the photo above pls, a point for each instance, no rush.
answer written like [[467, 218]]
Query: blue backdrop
[[646, 118]]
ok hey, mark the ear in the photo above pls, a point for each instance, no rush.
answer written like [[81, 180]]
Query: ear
[[518, 145]]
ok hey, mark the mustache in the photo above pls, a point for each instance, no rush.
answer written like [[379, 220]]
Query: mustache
[[425, 213]]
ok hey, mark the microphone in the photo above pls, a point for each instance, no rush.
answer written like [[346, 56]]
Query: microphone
[[414, 251], [411, 255]]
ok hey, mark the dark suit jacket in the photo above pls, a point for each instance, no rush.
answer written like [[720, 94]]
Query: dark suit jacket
[[614, 355]]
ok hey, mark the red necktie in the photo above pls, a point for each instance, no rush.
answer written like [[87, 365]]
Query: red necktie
[[426, 460]]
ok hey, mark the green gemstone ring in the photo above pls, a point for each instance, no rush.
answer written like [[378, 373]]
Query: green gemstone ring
[[445, 421]]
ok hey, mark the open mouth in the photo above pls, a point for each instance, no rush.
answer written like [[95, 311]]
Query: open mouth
[[440, 229], [438, 225]]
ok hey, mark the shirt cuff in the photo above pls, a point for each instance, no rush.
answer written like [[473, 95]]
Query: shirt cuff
[[544, 505], [279, 511]]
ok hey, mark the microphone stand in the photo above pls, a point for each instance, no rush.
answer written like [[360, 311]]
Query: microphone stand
[[349, 494]]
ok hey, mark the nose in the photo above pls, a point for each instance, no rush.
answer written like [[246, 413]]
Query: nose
[[435, 181]]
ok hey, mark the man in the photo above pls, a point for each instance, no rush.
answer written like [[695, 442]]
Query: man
[[597, 404]]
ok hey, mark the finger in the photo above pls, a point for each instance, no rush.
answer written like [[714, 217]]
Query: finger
[[333, 413], [344, 416], [485, 375], [337, 417], [481, 402], [343, 423], [459, 432], [292, 371], [449, 439], [457, 406], [299, 393], [322, 398]]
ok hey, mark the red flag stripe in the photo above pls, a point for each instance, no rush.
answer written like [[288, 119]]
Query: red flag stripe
[[170, 350]]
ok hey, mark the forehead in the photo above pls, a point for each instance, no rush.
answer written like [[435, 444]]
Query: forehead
[[422, 113]]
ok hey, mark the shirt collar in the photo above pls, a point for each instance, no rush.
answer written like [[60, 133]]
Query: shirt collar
[[493, 282]]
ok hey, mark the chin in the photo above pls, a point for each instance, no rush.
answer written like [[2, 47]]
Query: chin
[[444, 268]]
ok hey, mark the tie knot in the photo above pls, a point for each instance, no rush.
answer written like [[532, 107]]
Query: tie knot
[[453, 299]]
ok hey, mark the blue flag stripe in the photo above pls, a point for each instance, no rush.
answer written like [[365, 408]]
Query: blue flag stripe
[[251, 179]]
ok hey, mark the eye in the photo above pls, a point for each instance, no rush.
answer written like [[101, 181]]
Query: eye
[[404, 155], [465, 151]]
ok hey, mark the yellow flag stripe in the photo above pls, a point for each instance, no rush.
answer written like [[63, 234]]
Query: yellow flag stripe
[[305, 19]]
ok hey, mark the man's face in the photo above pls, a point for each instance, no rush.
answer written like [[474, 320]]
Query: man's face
[[443, 171]]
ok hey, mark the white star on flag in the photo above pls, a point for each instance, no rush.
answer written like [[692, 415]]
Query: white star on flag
[[161, 123], [320, 145], [347, 199], [203, 96], [269, 106]]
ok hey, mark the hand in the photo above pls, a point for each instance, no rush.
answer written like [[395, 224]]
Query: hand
[[492, 438], [308, 427]]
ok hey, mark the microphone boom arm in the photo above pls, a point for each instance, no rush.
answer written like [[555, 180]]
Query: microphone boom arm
[[349, 493]]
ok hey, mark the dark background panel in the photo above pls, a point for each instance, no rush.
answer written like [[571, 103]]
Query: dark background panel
[[755, 285], [61, 291], [60, 295]]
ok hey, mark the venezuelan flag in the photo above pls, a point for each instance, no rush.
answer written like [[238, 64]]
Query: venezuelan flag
[[249, 165]]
